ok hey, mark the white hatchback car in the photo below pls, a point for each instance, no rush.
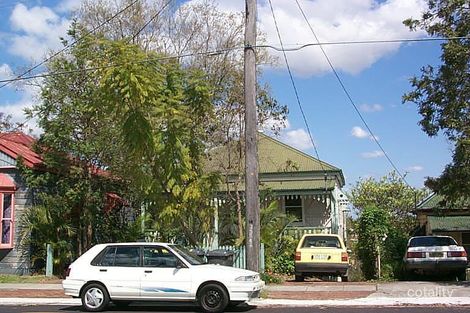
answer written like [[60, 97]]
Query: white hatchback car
[[126, 272]]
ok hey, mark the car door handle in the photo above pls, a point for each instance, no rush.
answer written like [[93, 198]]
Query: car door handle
[[103, 270], [148, 272]]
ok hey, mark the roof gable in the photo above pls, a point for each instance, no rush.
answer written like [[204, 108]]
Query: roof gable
[[16, 145], [274, 157]]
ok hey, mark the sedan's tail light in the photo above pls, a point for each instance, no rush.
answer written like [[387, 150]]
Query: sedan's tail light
[[67, 272], [344, 257], [456, 254], [413, 255], [298, 256]]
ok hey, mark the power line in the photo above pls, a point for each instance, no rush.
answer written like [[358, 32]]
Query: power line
[[71, 44], [91, 69], [151, 20], [215, 52], [349, 95], [295, 89], [358, 42]]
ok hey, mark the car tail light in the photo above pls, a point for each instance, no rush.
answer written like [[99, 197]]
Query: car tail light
[[413, 255], [456, 254], [344, 257], [67, 272], [298, 256]]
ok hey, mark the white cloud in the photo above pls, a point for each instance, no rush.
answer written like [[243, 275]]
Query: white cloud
[[68, 5], [297, 138], [372, 155], [371, 107], [358, 132], [335, 21], [5, 72], [37, 31], [415, 168]]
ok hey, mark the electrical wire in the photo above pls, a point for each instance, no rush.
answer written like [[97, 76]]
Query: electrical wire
[[71, 44], [296, 91], [91, 69], [151, 20], [359, 42], [215, 52], [349, 95]]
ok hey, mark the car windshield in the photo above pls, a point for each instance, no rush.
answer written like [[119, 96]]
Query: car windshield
[[431, 241], [189, 256], [321, 242]]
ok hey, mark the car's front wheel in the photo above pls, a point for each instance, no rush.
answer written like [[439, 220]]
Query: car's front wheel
[[213, 298], [94, 298]]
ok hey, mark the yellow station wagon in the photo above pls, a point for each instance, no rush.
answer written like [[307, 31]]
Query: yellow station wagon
[[321, 255]]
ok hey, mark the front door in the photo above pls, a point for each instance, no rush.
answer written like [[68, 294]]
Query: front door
[[164, 277], [120, 270]]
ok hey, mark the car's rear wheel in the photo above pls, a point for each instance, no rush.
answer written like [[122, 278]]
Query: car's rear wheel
[[299, 278], [94, 298], [344, 278]]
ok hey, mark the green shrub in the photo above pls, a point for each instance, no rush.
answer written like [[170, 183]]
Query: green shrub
[[280, 259]]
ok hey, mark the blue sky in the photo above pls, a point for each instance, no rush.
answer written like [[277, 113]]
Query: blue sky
[[376, 75]]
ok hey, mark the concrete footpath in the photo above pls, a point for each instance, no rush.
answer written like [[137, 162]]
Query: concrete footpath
[[290, 294]]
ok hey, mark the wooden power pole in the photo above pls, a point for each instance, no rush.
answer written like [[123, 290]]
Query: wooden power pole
[[251, 143]]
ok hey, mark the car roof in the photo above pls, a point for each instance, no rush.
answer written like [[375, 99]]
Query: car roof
[[136, 244], [432, 236], [320, 235]]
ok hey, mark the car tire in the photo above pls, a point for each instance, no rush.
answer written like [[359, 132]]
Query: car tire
[[213, 298], [344, 279], [299, 278], [95, 298]]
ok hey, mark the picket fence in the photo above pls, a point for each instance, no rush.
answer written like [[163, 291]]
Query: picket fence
[[239, 255]]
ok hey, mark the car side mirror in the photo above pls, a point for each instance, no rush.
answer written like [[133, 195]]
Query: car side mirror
[[349, 251]]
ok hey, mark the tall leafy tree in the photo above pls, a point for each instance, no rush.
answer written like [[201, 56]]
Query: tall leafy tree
[[194, 29], [442, 93], [390, 194]]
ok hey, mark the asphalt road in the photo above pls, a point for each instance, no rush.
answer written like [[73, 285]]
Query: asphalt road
[[191, 309]]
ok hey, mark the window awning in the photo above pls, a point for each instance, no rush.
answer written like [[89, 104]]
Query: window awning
[[449, 223], [6, 183]]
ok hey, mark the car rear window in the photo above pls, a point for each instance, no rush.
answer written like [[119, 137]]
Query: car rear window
[[118, 256], [321, 242], [431, 241]]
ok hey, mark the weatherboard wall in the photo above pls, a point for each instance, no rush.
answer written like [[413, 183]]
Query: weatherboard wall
[[15, 260]]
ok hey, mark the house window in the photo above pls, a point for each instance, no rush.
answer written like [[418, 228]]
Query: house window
[[6, 220], [293, 206]]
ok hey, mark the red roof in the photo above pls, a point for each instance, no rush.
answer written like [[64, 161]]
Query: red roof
[[19, 144]]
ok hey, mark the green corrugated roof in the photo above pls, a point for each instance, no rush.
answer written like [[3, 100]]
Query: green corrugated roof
[[434, 202], [288, 185], [449, 223], [274, 157], [431, 202]]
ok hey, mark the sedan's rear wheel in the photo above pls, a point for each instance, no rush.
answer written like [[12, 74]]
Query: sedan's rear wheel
[[94, 298], [213, 298]]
